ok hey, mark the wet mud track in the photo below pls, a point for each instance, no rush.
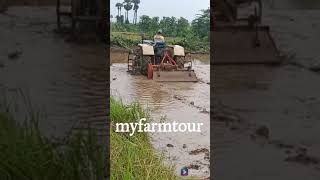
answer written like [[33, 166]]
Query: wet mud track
[[64, 81], [265, 122], [183, 102], [266, 119]]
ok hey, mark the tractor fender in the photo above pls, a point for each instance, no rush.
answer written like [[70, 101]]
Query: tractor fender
[[147, 49], [178, 50]]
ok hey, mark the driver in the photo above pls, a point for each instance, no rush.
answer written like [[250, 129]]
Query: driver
[[158, 38], [159, 44]]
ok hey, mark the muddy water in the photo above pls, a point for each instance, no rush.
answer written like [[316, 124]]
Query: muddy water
[[65, 82], [283, 99], [180, 102], [235, 78]]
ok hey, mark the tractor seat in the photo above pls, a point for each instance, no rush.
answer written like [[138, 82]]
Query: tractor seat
[[160, 45]]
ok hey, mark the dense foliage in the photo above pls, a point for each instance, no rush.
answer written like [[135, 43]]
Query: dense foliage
[[194, 36]]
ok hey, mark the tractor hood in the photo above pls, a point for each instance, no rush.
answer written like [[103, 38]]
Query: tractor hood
[[147, 49]]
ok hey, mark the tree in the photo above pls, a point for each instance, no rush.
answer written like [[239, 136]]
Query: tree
[[135, 8], [120, 19], [127, 6], [182, 27], [144, 24], [201, 25], [154, 25], [119, 16], [119, 6], [169, 26]]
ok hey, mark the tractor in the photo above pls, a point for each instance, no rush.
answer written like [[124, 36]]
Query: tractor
[[239, 36], [161, 62], [84, 14]]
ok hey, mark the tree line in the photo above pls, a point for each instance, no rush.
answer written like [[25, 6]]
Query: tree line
[[170, 26]]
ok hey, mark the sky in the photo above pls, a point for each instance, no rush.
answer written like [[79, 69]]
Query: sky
[[178, 8]]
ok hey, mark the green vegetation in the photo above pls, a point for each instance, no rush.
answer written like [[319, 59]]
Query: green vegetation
[[133, 157], [194, 36], [127, 40], [25, 154]]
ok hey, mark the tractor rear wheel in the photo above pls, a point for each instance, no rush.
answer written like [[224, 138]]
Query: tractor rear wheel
[[180, 61], [145, 61]]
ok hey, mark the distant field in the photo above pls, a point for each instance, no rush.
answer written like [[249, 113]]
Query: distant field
[[137, 36]]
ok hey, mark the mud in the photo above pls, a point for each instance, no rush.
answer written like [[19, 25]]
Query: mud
[[295, 4], [267, 116], [119, 55], [295, 26], [65, 82], [266, 121], [168, 102]]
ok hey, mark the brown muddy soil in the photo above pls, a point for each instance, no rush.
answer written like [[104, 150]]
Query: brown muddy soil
[[64, 81], [274, 115], [266, 118], [119, 55]]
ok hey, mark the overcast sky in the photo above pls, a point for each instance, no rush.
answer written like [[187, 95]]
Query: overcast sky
[[178, 8]]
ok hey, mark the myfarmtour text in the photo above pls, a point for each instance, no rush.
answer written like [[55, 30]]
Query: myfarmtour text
[[157, 127]]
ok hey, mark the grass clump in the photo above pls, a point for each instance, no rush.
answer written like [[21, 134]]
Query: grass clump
[[27, 155], [134, 157]]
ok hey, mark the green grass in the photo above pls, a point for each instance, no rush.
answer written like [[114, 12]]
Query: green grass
[[27, 155], [129, 39], [134, 157]]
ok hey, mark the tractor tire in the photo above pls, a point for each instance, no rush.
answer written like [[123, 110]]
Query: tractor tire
[[180, 61], [137, 54], [145, 60]]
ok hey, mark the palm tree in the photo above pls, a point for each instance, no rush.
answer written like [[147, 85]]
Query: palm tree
[[135, 8], [119, 5], [119, 16], [127, 6]]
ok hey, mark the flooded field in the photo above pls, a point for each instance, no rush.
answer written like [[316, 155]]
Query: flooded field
[[65, 83], [258, 111], [266, 118], [180, 102]]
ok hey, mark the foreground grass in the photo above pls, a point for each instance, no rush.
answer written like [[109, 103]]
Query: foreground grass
[[27, 155], [133, 157]]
